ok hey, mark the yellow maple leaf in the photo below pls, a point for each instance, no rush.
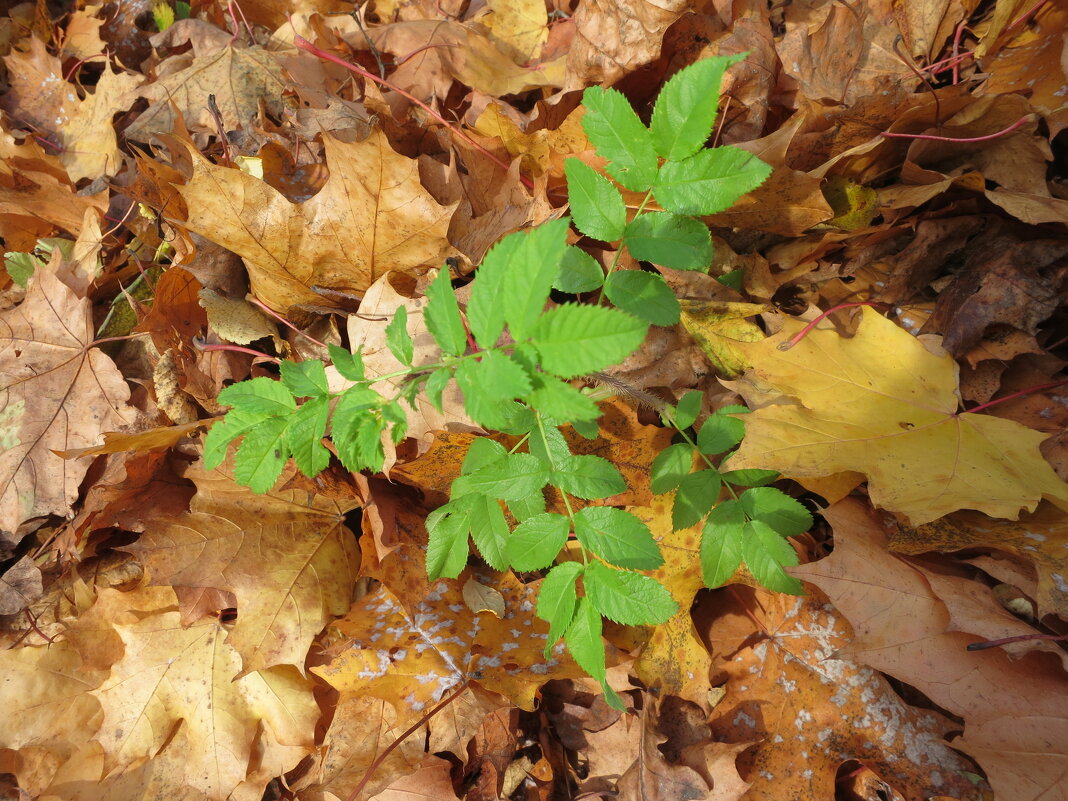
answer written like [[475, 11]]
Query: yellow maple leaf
[[881, 404]]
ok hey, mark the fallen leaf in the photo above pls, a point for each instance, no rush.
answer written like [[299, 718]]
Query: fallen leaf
[[810, 707], [286, 555], [20, 586], [170, 674], [1019, 727], [882, 404], [372, 215], [59, 393]]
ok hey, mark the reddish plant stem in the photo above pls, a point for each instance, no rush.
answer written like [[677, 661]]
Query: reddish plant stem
[[304, 44], [1021, 393], [956, 49], [448, 699], [257, 302], [1019, 123], [1023, 17], [237, 349], [982, 646], [804, 331]]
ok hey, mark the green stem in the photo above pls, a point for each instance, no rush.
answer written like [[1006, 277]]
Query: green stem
[[619, 250]]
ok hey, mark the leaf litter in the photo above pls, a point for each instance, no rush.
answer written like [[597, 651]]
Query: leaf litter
[[262, 647]]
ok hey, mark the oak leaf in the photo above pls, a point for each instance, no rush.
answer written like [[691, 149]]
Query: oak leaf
[[56, 393], [286, 555], [372, 215], [880, 403]]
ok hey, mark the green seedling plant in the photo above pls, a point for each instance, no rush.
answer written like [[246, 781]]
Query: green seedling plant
[[513, 356]]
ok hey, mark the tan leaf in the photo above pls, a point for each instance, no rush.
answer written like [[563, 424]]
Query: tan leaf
[[20, 586], [170, 674], [288, 557], [372, 215], [811, 706], [57, 393], [1015, 712]]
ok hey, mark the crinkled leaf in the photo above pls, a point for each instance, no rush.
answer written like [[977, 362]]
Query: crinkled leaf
[[628, 598], [536, 541], [305, 379], [669, 467], [597, 208], [618, 537], [685, 109], [579, 272], [645, 295], [670, 240], [575, 340], [442, 316], [557, 600], [619, 136], [710, 181]]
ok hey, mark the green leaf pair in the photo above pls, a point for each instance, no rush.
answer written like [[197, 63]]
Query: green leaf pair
[[691, 180]]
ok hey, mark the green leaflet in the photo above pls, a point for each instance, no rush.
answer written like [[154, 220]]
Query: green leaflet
[[618, 537], [579, 272], [597, 208], [645, 295], [628, 598], [685, 109], [557, 600], [670, 240], [536, 541], [398, 340], [619, 136], [583, 639], [260, 396], [710, 181], [575, 340], [442, 316], [306, 379]]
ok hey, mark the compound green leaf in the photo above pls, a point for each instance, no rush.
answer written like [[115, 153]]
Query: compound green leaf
[[536, 541], [304, 436], [583, 639], [515, 476], [398, 339], [575, 340], [669, 240], [489, 530], [776, 509], [587, 477], [555, 398], [236, 423], [579, 272], [532, 268], [628, 598], [259, 396], [349, 365], [765, 553], [685, 109], [696, 495], [710, 181], [645, 295], [688, 408], [557, 600], [619, 136], [720, 433], [262, 455], [447, 527], [618, 537], [596, 205], [721, 543], [670, 466], [305, 379], [442, 316]]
